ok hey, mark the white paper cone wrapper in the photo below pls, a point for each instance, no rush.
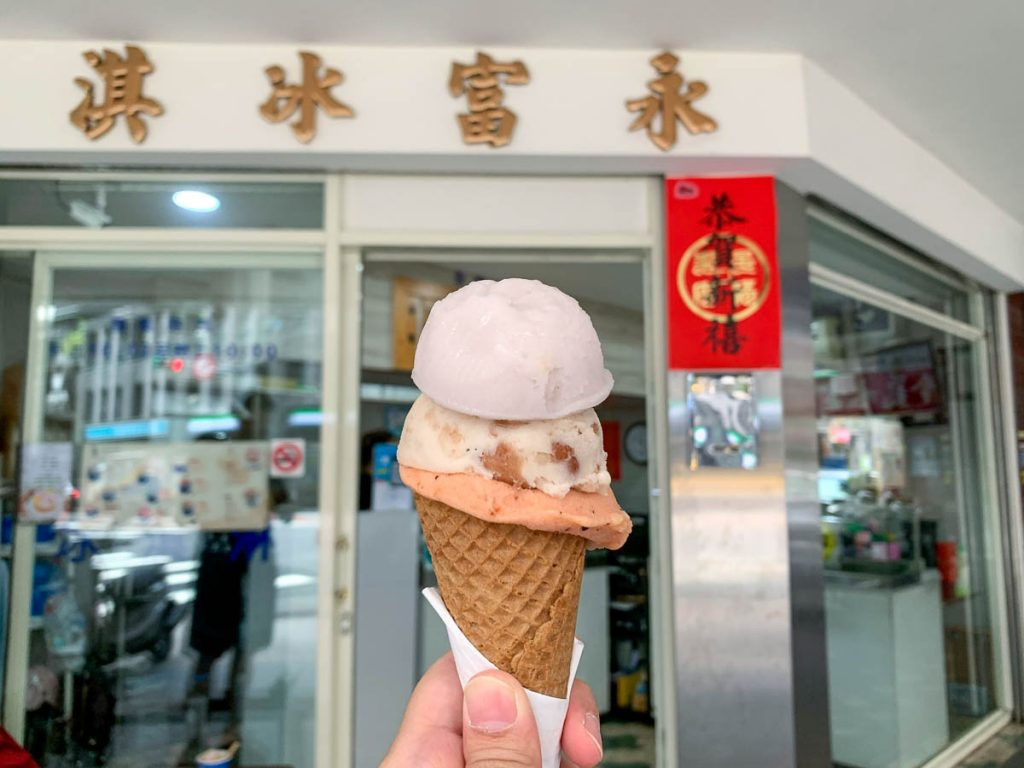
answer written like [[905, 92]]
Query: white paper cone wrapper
[[548, 711]]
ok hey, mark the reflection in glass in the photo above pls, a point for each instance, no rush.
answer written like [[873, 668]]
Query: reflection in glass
[[174, 602], [194, 204], [723, 429], [906, 596]]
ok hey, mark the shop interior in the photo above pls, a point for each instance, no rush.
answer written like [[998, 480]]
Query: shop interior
[[157, 630], [398, 291], [909, 633]]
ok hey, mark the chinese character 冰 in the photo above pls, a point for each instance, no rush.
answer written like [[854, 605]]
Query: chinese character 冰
[[122, 82], [669, 102], [312, 94], [488, 120]]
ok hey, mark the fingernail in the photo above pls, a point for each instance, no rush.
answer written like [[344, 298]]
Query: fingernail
[[592, 725], [490, 704]]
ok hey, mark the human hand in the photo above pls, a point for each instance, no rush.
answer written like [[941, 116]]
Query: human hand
[[489, 726]]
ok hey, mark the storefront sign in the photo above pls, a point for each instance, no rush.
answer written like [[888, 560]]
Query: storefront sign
[[723, 277], [487, 121]]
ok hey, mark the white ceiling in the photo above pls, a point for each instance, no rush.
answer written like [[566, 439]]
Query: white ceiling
[[947, 73]]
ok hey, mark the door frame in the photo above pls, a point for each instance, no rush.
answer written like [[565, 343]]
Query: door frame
[[649, 257], [1001, 538]]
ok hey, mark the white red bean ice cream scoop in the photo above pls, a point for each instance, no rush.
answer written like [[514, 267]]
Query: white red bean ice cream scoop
[[513, 349]]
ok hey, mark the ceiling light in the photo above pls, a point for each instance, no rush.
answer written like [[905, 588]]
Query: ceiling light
[[195, 200]]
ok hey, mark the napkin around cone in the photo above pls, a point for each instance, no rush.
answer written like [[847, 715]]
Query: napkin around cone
[[548, 711]]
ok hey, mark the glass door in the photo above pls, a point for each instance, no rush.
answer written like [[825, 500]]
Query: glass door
[[617, 598], [165, 565], [909, 513]]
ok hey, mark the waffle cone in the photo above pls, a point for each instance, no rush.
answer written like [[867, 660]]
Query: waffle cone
[[513, 591]]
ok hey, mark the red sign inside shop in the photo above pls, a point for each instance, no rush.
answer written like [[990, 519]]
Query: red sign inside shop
[[899, 380], [613, 448], [723, 276]]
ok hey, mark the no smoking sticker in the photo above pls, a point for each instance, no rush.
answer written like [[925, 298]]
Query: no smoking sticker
[[288, 457]]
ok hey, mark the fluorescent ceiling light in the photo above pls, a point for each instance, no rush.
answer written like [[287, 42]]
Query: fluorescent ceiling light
[[201, 424], [195, 200]]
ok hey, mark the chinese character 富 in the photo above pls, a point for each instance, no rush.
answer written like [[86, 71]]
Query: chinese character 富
[[488, 121]]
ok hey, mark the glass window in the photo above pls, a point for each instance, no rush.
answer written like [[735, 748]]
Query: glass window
[[173, 604], [907, 595], [936, 288], [196, 204]]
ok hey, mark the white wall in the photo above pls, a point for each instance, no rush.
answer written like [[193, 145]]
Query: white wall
[[778, 114]]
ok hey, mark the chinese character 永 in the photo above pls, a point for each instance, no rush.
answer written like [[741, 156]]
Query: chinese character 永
[[122, 83], [488, 120], [311, 94], [669, 103]]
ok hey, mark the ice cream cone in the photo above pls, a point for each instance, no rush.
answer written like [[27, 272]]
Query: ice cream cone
[[513, 591]]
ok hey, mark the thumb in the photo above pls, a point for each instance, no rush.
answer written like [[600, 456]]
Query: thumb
[[498, 729]]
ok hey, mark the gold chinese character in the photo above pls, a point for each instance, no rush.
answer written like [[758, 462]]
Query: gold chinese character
[[703, 294], [313, 93], [703, 263], [744, 262], [745, 291], [671, 102], [487, 122], [122, 81]]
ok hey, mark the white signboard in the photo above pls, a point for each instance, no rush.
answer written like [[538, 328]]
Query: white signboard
[[214, 486]]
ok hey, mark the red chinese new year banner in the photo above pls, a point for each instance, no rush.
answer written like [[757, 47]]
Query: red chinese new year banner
[[723, 276]]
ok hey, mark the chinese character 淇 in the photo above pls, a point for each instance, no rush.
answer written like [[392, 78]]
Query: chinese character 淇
[[488, 121], [669, 103], [312, 94], [122, 83]]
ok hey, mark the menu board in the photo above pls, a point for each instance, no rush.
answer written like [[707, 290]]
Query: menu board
[[212, 486]]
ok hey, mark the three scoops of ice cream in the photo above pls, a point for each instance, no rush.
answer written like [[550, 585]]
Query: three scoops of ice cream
[[505, 457]]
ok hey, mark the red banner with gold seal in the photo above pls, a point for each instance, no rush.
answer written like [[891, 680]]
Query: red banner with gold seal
[[723, 275]]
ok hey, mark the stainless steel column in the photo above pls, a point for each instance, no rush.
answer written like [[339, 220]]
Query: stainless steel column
[[806, 569], [751, 687]]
